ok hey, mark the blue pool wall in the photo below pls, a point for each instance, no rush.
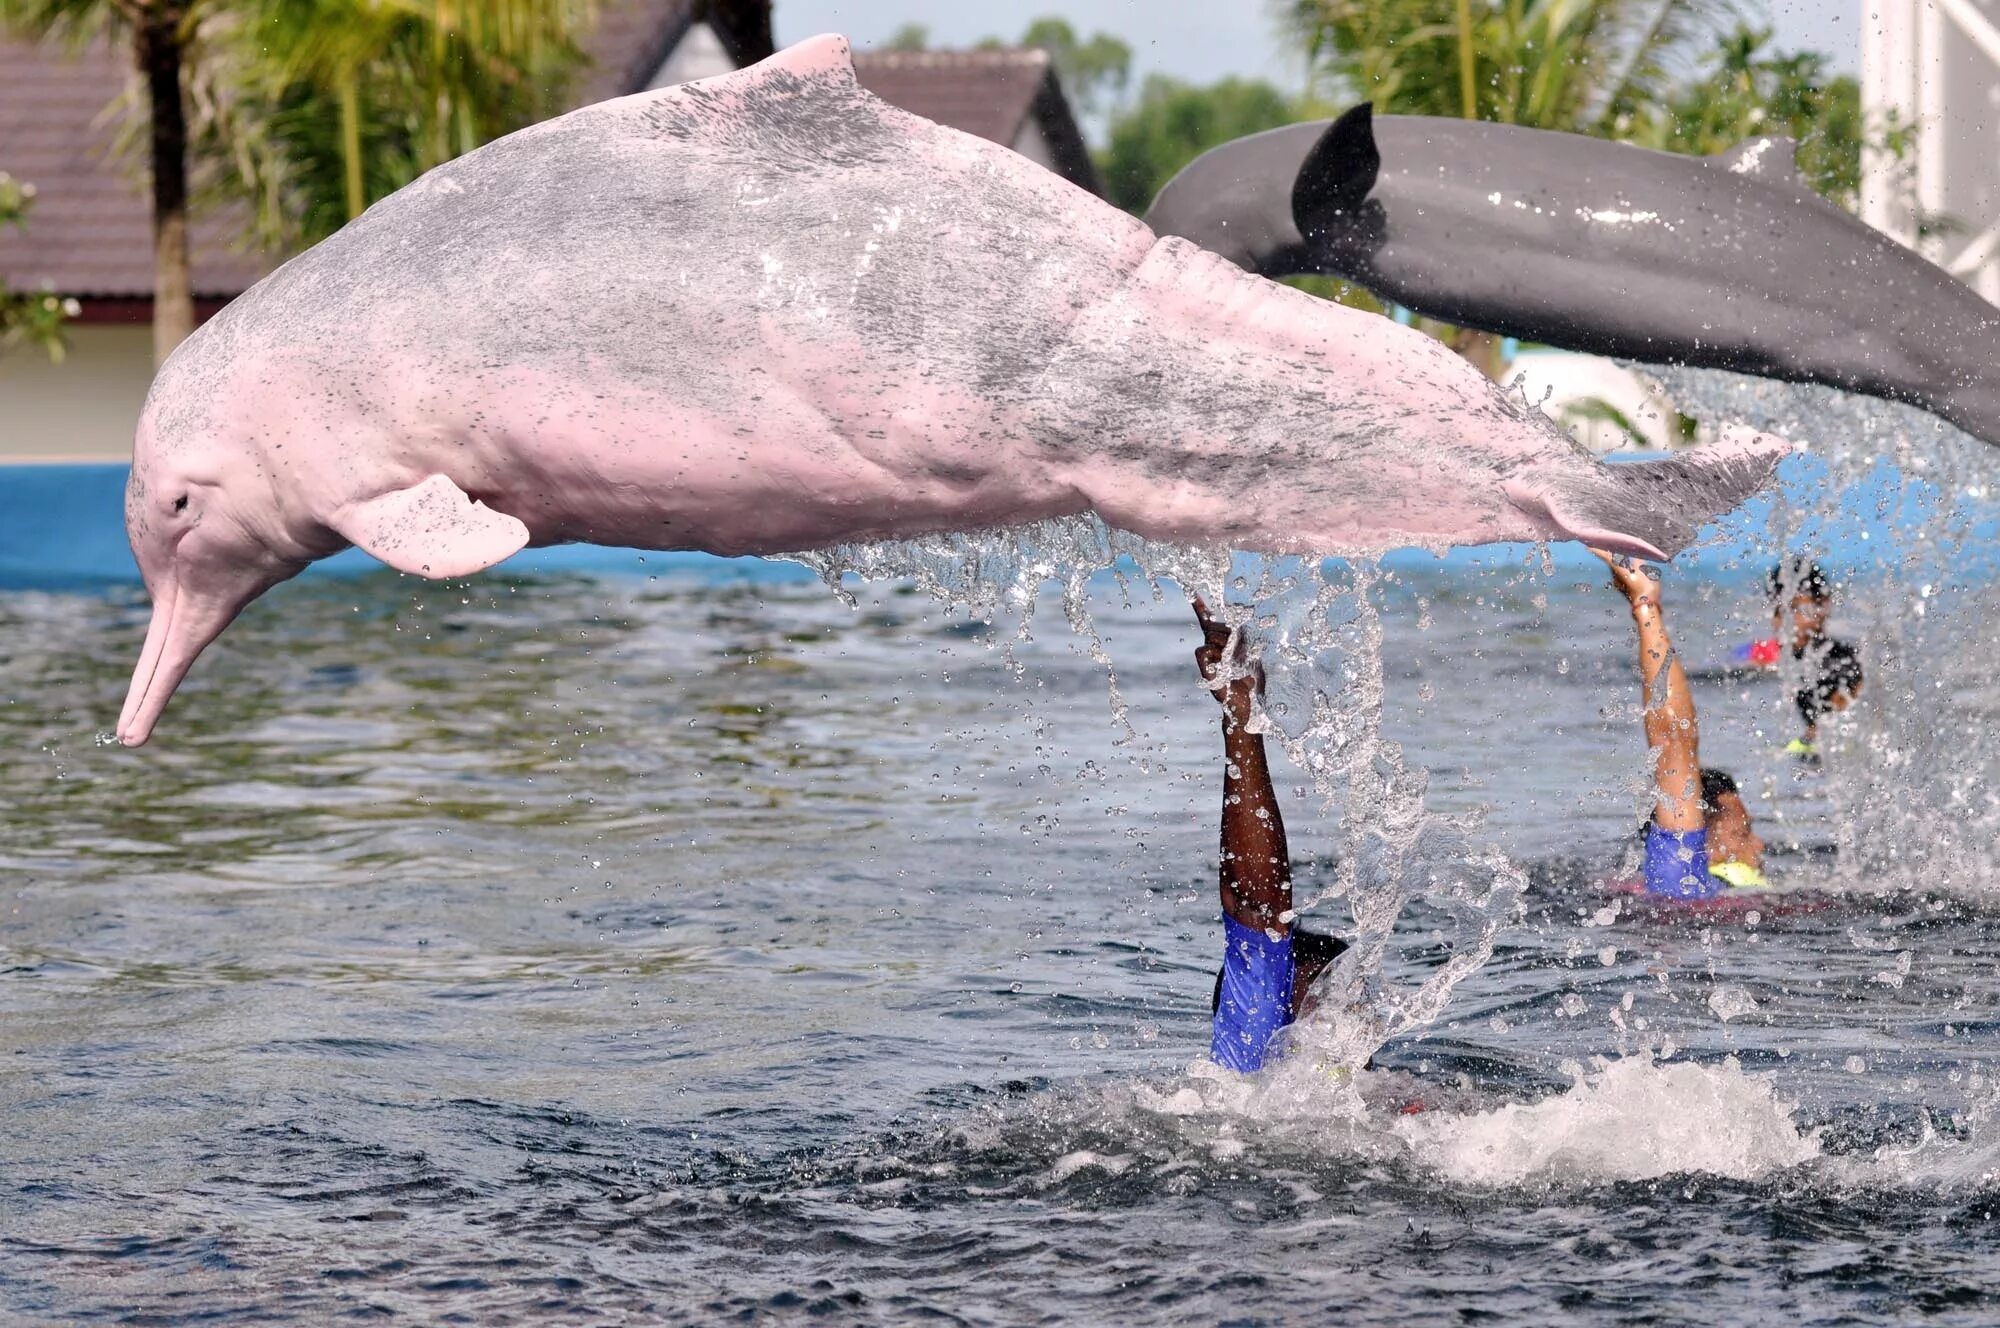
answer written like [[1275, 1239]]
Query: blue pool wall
[[62, 527]]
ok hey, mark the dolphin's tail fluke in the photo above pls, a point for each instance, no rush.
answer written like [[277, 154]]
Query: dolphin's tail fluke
[[1653, 509]]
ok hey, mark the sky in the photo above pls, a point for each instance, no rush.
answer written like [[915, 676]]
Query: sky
[[1197, 40]]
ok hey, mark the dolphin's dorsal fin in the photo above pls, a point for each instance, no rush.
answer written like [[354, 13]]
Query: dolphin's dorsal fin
[[1339, 171], [827, 55], [1768, 158]]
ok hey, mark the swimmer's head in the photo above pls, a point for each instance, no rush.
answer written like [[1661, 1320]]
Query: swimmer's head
[[1796, 577], [1800, 590], [1731, 835]]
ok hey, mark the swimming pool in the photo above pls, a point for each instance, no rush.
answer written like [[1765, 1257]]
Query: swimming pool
[[561, 947]]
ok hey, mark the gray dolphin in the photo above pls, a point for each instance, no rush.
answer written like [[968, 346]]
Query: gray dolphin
[[1725, 262]]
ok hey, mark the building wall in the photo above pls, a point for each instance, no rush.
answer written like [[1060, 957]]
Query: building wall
[[1033, 144], [1935, 65], [83, 409], [699, 55]]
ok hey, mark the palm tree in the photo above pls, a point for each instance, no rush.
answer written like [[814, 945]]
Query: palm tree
[[161, 34], [341, 102]]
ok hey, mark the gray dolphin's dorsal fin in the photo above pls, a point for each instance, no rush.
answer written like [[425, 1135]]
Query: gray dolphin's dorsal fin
[[1339, 171], [1768, 158]]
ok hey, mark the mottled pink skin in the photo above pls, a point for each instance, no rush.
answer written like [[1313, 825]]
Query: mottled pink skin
[[585, 466], [769, 313], [1430, 476]]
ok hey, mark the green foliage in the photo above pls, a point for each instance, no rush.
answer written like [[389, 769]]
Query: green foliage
[[1746, 90], [29, 318], [70, 23], [16, 197], [909, 37], [1093, 73], [1173, 122]]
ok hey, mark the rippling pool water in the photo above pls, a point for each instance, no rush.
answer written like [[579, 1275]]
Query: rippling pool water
[[668, 951]]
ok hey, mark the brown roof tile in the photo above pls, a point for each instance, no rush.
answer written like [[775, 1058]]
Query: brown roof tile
[[985, 93], [988, 93]]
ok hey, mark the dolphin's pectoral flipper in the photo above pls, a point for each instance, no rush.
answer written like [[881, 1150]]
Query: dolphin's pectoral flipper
[[1338, 173], [1653, 509], [431, 529]]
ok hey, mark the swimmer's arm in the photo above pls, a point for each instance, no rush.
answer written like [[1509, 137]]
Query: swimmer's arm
[[1256, 860], [1256, 873], [1671, 728]]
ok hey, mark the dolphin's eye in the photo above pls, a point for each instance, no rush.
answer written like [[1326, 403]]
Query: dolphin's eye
[[181, 503]]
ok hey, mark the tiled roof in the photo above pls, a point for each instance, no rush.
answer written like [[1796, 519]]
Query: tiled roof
[[988, 93], [90, 231]]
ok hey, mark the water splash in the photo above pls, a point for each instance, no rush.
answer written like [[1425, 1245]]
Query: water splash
[[1316, 629], [1903, 508], [1902, 500], [1628, 1119]]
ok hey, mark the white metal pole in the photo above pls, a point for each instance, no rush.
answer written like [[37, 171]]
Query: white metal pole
[[1888, 94]]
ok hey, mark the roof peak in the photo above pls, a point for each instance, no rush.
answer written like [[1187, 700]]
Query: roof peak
[[980, 55]]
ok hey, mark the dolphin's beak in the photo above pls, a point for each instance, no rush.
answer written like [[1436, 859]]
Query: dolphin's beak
[[149, 663], [184, 621]]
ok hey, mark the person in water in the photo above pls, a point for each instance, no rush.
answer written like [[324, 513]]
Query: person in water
[[1832, 668], [1269, 961], [1699, 840]]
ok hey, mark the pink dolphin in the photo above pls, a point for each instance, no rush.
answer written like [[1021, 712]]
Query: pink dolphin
[[769, 312]]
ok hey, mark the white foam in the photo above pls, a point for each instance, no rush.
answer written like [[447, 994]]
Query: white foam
[[1628, 1119], [1071, 1163], [1631, 1119]]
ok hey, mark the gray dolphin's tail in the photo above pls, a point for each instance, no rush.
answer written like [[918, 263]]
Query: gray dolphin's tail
[[1651, 508], [1338, 173]]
